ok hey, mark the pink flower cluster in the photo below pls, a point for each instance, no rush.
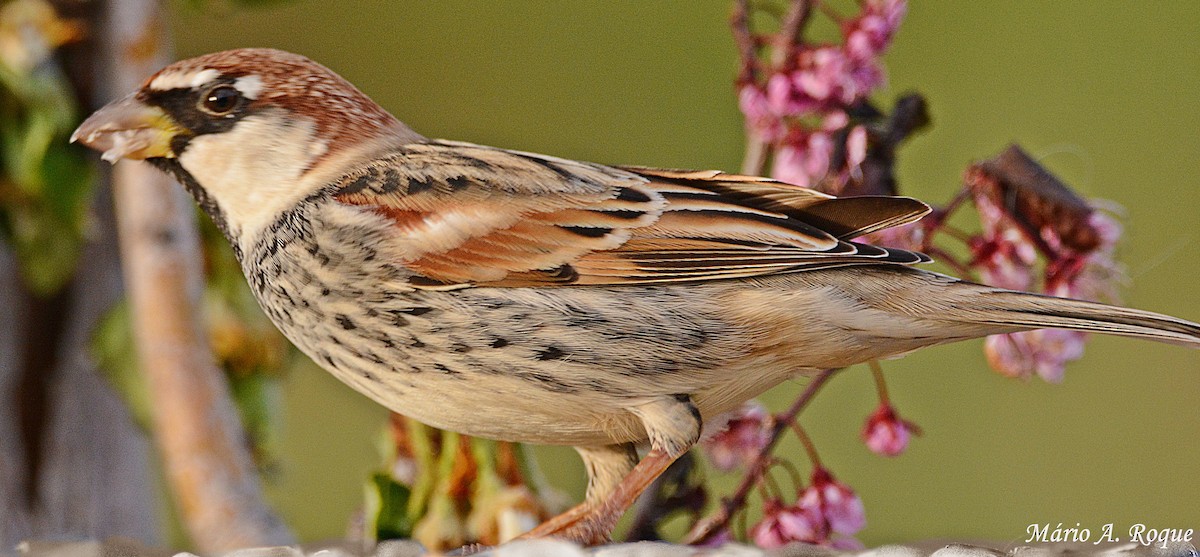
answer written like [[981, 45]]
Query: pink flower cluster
[[827, 512], [802, 107], [746, 433], [1006, 256], [1003, 255], [886, 433]]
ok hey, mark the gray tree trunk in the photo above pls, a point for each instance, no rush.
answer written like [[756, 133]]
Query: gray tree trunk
[[73, 464]]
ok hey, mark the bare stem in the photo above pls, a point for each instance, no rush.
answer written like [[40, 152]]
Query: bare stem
[[709, 526], [809, 447], [880, 384], [769, 487], [790, 32], [956, 233], [755, 160], [196, 425], [943, 256], [831, 13], [793, 473], [739, 21]]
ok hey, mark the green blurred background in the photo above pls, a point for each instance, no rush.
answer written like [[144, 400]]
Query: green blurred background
[[1102, 92]]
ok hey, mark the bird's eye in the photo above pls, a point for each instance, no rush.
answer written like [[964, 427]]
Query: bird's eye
[[220, 100]]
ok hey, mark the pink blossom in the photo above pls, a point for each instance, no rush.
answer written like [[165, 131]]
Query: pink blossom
[[804, 162], [820, 150], [1006, 258], [1044, 352], [1098, 279], [1004, 255], [803, 100], [760, 119], [785, 99], [865, 76], [827, 76], [1010, 354], [885, 433], [1066, 346], [744, 436], [834, 120], [716, 539], [834, 501], [804, 156], [1006, 261], [1108, 228], [753, 103], [869, 34], [1099, 275], [1092, 275], [823, 72], [991, 216], [859, 43], [856, 146], [781, 525], [789, 165]]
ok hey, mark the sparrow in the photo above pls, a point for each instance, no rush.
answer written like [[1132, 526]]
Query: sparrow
[[529, 298]]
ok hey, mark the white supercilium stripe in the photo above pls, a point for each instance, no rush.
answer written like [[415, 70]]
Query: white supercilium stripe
[[249, 86], [183, 80]]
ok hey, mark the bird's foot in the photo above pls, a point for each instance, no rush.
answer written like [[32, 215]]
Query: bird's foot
[[586, 524], [592, 523]]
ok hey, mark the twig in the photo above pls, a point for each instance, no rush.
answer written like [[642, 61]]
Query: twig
[[739, 21], [807, 442], [196, 426], [948, 259], [793, 473], [705, 528], [789, 33], [880, 384], [755, 160]]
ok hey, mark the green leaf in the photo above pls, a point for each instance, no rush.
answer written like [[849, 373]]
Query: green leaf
[[69, 180], [386, 508], [45, 184], [46, 247]]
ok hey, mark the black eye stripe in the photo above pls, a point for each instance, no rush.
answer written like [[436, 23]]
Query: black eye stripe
[[184, 106]]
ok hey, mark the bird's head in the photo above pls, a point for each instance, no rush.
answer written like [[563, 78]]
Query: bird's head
[[250, 132]]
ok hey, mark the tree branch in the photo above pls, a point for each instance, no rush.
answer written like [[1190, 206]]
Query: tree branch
[[790, 31], [196, 425], [739, 21], [708, 527]]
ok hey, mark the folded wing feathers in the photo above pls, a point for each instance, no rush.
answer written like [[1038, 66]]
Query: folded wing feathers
[[851, 217], [473, 214]]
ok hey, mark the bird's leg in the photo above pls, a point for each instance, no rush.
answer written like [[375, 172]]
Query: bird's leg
[[592, 522], [606, 466], [673, 425]]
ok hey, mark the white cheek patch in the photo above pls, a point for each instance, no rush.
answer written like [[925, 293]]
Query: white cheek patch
[[249, 86], [254, 170], [183, 80]]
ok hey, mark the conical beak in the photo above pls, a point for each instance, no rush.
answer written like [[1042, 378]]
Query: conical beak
[[130, 129]]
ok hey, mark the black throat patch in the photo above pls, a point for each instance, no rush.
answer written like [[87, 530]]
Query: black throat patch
[[203, 199]]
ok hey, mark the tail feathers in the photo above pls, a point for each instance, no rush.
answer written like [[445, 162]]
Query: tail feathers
[[1033, 311]]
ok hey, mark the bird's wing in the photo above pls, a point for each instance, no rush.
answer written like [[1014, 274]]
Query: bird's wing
[[468, 214]]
